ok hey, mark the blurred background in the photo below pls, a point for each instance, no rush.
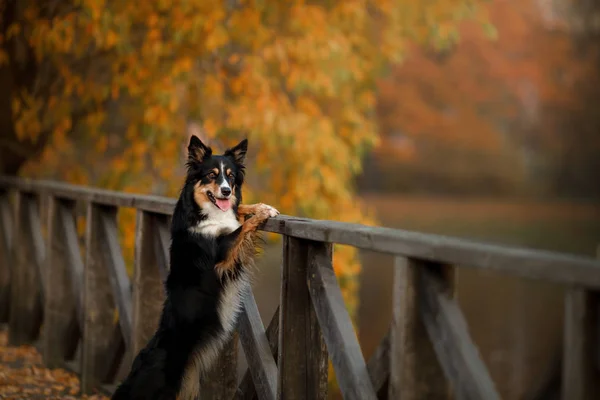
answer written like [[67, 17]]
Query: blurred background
[[477, 119]]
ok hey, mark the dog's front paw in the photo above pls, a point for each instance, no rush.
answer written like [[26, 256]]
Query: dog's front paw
[[265, 209]]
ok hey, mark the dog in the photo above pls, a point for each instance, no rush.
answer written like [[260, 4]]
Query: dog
[[213, 246]]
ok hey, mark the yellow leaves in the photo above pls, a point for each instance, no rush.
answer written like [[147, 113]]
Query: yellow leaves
[[102, 144], [27, 110], [182, 66], [210, 127], [139, 147], [308, 107], [13, 30], [296, 77], [95, 8], [153, 20], [212, 86], [154, 35], [60, 133], [216, 38], [111, 39], [155, 115]]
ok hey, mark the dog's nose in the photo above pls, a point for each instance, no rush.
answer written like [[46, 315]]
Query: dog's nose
[[225, 191]]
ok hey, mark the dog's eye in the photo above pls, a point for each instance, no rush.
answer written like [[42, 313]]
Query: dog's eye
[[230, 175], [211, 175]]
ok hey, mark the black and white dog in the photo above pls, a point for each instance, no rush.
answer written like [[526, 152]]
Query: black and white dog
[[212, 247]]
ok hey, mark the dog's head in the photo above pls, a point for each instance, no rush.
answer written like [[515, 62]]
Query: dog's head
[[216, 179]]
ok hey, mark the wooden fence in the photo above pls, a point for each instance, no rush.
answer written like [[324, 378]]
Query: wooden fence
[[75, 298]]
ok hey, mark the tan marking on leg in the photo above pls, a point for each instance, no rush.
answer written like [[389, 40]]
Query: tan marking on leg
[[244, 247]]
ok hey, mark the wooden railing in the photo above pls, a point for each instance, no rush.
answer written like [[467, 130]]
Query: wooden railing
[[52, 289]]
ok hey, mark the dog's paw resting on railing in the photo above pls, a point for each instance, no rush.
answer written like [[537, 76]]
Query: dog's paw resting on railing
[[213, 245]]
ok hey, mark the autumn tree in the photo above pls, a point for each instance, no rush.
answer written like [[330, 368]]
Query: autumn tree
[[101, 91], [495, 112]]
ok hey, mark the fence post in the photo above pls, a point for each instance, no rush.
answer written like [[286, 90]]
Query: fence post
[[25, 295], [415, 372], [5, 250], [579, 330], [148, 289], [99, 306], [302, 357], [61, 327]]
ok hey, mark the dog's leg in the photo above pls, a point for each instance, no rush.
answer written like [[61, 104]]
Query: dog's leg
[[240, 245]]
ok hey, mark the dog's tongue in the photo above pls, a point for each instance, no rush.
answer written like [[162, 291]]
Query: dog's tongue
[[223, 204]]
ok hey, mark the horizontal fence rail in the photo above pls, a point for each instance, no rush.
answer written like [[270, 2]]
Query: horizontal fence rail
[[95, 317]]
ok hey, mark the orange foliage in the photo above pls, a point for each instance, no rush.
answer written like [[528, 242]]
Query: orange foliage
[[296, 77], [480, 105]]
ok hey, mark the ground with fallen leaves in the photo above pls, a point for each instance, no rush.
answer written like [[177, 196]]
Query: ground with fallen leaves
[[23, 376]]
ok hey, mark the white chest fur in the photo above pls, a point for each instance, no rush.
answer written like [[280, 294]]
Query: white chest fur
[[216, 222]]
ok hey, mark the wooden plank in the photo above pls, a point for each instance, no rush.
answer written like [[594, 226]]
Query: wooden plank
[[336, 325], [6, 225], [161, 205], [162, 240], [148, 290], [580, 338], [246, 390], [73, 257], [533, 264], [258, 352], [577, 363], [60, 328], [448, 331], [38, 247], [415, 372], [378, 367], [117, 273], [26, 307], [6, 216], [114, 356], [221, 381], [98, 302], [302, 358]]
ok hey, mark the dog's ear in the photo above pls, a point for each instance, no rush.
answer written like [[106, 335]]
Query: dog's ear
[[238, 153], [197, 151]]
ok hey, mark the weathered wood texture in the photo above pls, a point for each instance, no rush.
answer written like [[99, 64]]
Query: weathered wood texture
[[427, 352], [334, 320], [449, 334], [378, 367], [581, 334], [532, 264], [84, 194], [26, 306], [6, 240], [221, 382], [117, 273], [261, 363], [99, 304], [246, 389], [302, 358], [61, 327], [148, 289], [415, 371]]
